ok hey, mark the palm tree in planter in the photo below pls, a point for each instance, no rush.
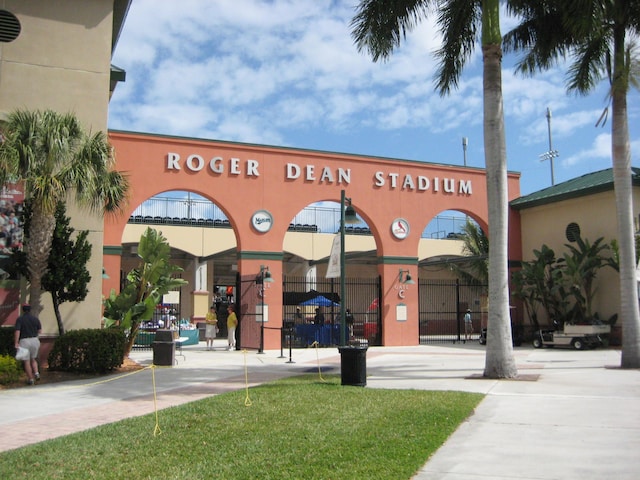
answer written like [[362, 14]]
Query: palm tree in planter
[[580, 268], [564, 287], [540, 284], [52, 156], [378, 27], [145, 285]]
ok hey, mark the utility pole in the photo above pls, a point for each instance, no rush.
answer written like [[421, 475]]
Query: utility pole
[[465, 141], [551, 153]]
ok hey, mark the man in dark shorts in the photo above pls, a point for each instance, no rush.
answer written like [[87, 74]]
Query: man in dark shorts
[[28, 328]]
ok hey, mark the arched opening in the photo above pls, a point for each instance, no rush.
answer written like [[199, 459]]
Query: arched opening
[[203, 244], [312, 298], [453, 279]]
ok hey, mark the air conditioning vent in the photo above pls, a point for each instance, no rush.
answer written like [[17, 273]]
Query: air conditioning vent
[[572, 232], [9, 26]]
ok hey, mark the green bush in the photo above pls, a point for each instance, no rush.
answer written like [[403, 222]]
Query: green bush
[[88, 351], [7, 341], [10, 369]]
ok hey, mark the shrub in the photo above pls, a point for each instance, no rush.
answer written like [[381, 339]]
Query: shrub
[[10, 369], [88, 351], [7, 341]]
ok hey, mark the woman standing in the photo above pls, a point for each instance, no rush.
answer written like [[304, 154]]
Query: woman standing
[[212, 326], [232, 323]]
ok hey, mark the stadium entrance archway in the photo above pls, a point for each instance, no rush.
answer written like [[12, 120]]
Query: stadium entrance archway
[[261, 188]]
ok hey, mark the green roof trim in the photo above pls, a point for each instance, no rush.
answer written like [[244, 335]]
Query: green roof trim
[[252, 255], [394, 260], [588, 184], [112, 250]]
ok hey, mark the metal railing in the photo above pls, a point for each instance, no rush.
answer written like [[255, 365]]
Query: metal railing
[[203, 213]]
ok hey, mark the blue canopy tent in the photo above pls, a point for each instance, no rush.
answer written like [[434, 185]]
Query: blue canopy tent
[[324, 334], [319, 301]]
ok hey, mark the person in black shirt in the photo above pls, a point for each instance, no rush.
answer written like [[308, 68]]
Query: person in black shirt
[[27, 329], [348, 317], [318, 319]]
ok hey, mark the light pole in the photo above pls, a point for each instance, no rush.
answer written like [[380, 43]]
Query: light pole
[[465, 141], [261, 278], [551, 154], [189, 203], [347, 215]]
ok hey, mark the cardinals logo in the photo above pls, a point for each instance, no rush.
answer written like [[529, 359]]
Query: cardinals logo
[[400, 228]]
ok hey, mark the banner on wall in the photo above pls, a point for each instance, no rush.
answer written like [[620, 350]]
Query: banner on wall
[[11, 238]]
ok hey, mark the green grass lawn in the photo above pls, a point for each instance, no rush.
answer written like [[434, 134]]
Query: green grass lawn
[[297, 428]]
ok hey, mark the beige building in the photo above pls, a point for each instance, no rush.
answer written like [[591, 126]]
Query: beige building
[[586, 205], [57, 55]]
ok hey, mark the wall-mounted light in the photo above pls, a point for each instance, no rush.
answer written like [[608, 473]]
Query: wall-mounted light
[[104, 274], [350, 216], [267, 274], [264, 275], [406, 279]]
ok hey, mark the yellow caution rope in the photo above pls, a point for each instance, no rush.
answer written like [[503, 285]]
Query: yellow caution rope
[[247, 400], [156, 429], [316, 344]]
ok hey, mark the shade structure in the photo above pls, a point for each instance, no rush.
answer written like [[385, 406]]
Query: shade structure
[[319, 301]]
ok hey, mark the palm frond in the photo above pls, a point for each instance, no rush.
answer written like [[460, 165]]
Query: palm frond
[[459, 21], [591, 64], [634, 65], [541, 35], [379, 26]]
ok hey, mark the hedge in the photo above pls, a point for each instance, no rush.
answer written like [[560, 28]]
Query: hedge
[[88, 351]]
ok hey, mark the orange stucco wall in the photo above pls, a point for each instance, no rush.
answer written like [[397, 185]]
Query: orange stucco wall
[[253, 178]]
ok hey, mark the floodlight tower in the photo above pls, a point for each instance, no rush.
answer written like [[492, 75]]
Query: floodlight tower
[[551, 153], [465, 142]]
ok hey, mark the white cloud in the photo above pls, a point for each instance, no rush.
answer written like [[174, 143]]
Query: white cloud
[[287, 72], [599, 149]]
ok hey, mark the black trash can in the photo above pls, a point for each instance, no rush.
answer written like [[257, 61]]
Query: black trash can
[[164, 348], [353, 365], [202, 328]]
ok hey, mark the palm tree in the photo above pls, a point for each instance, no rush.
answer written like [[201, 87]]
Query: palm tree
[[55, 160], [378, 27], [144, 287], [598, 36], [475, 248]]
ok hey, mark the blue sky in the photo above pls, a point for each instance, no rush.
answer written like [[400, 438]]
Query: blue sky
[[286, 73]]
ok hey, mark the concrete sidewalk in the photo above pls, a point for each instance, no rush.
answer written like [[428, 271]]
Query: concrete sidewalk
[[572, 414]]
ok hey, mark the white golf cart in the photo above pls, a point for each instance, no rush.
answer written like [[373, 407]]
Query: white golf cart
[[576, 336]]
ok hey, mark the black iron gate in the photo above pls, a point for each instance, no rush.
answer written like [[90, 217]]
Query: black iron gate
[[312, 307], [442, 305]]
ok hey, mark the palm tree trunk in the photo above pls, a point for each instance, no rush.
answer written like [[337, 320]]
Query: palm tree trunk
[[135, 327], [621, 154], [499, 361], [39, 245]]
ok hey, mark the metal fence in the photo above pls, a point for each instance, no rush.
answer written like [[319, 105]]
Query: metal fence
[[442, 305], [302, 296]]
